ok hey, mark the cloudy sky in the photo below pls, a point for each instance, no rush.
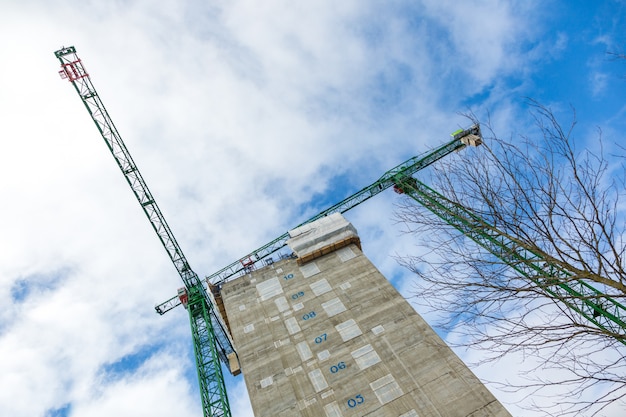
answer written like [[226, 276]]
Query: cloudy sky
[[245, 120]]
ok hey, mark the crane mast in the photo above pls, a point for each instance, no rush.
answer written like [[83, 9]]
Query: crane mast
[[210, 338], [542, 270]]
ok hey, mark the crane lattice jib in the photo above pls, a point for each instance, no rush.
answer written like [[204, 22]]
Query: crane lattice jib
[[215, 337], [409, 167], [74, 71], [544, 271]]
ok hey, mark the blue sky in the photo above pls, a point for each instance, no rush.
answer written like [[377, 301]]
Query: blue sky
[[244, 120]]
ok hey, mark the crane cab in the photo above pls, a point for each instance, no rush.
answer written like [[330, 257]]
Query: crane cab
[[183, 296], [404, 185]]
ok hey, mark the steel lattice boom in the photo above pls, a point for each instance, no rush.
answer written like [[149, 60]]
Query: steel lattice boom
[[541, 269], [461, 138], [408, 167], [211, 339]]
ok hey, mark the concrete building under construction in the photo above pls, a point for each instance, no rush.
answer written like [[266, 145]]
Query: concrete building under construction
[[323, 333]]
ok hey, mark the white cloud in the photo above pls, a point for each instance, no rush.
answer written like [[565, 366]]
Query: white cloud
[[485, 38], [155, 387], [236, 114]]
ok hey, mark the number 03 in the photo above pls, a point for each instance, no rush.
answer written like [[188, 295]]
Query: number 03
[[353, 402]]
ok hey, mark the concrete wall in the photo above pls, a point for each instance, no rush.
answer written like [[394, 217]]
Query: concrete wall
[[334, 338]]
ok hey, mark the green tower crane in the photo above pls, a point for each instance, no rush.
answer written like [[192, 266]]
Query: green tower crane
[[210, 335], [211, 338]]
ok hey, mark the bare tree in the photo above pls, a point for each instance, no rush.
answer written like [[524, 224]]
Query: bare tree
[[617, 56], [552, 198]]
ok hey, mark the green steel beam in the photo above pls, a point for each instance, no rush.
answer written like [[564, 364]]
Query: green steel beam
[[213, 343], [461, 138], [579, 295], [408, 167]]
